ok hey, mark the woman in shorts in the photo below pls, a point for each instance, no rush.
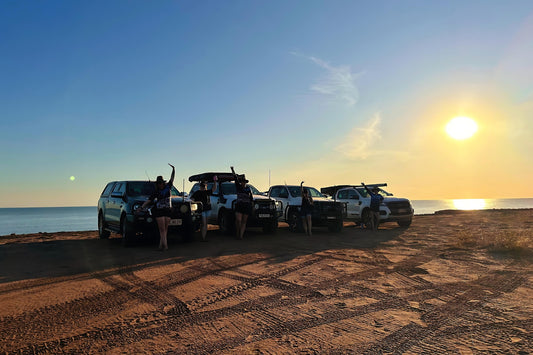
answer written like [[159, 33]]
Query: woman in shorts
[[161, 210], [243, 204], [307, 211]]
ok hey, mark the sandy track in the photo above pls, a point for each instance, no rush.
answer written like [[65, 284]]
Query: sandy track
[[395, 291]]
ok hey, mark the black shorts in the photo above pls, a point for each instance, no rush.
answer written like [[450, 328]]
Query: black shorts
[[161, 212], [244, 208]]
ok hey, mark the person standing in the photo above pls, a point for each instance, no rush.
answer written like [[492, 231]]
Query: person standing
[[203, 196], [307, 210], [375, 202], [161, 210], [243, 204]]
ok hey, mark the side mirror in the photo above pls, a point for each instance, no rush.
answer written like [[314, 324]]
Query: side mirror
[[118, 195]]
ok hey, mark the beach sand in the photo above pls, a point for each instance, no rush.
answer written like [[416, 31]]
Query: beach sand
[[452, 282]]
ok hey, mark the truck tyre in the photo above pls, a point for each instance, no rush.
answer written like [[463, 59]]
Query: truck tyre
[[365, 217], [336, 226], [406, 223], [270, 227], [102, 232], [225, 223], [294, 221], [126, 232]]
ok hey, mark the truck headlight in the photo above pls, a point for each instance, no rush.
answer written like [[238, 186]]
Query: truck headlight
[[256, 206], [194, 207]]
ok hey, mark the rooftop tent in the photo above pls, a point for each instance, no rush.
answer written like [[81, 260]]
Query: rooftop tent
[[209, 177]]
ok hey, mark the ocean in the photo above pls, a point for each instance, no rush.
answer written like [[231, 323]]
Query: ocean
[[69, 219]]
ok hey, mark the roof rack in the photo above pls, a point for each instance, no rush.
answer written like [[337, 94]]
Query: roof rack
[[208, 177], [332, 190]]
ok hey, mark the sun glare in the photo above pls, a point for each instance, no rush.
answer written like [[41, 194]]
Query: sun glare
[[469, 204], [461, 128]]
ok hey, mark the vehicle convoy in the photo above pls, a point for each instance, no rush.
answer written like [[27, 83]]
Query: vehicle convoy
[[392, 209], [223, 199], [118, 211], [326, 212]]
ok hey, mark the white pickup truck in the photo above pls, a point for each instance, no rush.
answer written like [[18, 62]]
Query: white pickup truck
[[392, 209]]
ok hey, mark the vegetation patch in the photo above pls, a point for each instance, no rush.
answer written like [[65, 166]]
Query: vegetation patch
[[517, 242]]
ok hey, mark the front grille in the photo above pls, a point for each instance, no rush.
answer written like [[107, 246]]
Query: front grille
[[327, 207], [399, 207]]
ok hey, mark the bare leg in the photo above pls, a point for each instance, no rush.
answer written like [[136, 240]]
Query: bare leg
[[243, 225], [204, 227], [162, 226], [304, 224], [238, 221], [375, 221]]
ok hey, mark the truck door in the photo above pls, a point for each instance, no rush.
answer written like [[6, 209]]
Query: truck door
[[351, 197], [116, 202]]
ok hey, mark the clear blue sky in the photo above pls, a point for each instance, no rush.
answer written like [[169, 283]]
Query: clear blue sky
[[330, 92]]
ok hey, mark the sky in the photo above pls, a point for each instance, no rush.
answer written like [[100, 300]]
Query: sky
[[326, 92]]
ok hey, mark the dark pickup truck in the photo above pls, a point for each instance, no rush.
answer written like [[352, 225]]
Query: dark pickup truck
[[118, 211]]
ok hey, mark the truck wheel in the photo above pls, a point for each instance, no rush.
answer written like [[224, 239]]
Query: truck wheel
[[126, 232], [335, 226], [365, 217], [295, 224], [102, 232], [225, 223], [405, 223], [270, 226], [188, 232]]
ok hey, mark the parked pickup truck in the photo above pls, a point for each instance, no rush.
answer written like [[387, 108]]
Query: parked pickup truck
[[392, 209], [326, 212], [223, 199]]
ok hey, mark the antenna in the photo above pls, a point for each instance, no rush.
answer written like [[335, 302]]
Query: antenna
[[148, 176]]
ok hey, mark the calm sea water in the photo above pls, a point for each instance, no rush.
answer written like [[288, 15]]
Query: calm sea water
[[67, 219]]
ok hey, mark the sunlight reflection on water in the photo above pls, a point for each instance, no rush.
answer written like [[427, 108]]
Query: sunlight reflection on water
[[470, 204]]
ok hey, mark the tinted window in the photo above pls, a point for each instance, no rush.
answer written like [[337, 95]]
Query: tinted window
[[343, 194], [119, 187], [107, 189], [276, 191], [229, 188], [140, 188], [295, 191]]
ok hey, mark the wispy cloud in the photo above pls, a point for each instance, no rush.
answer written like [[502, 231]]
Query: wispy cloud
[[338, 82], [360, 142]]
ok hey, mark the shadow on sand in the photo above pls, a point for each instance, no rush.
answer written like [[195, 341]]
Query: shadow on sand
[[55, 261]]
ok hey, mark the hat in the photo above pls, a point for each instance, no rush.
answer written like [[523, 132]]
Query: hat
[[242, 178], [159, 179]]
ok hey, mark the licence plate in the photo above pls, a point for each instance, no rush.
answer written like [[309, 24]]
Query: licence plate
[[403, 210], [175, 222], [264, 215]]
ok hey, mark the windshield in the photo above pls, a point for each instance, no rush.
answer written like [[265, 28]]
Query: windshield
[[295, 191], [229, 188], [362, 191], [145, 188]]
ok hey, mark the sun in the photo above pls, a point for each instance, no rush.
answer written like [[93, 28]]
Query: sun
[[461, 128]]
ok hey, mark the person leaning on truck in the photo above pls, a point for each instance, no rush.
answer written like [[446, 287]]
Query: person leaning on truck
[[243, 204], [202, 196], [307, 211], [161, 210], [375, 202]]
